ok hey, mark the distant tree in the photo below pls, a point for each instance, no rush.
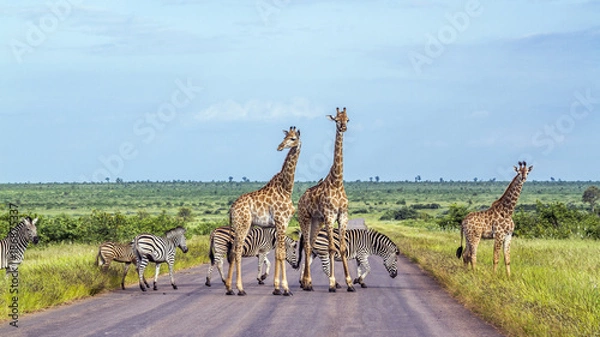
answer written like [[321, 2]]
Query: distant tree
[[230, 178], [552, 179], [591, 195], [441, 180], [376, 179], [185, 213], [417, 178], [475, 179], [371, 179], [107, 179], [244, 179], [119, 181]]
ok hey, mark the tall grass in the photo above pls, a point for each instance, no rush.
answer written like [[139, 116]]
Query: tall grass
[[554, 288], [61, 273]]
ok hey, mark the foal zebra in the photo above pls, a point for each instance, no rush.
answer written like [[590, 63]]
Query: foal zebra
[[12, 247], [259, 242], [361, 243], [121, 252], [158, 249]]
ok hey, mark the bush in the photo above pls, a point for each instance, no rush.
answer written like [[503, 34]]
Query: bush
[[556, 221], [403, 213], [453, 217]]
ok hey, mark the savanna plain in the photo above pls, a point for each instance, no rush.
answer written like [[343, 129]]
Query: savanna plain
[[553, 289]]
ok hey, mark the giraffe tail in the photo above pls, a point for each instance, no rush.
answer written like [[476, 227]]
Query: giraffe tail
[[459, 251], [300, 245]]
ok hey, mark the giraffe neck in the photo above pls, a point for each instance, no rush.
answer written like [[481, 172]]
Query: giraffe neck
[[286, 176], [336, 174], [508, 201]]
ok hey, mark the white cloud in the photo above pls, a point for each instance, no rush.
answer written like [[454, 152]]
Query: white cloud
[[259, 110]]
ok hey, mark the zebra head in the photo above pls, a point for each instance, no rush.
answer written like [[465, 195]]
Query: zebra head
[[31, 230], [390, 261], [177, 235], [290, 251]]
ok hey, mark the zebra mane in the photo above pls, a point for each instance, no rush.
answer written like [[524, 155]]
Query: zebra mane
[[174, 232], [382, 237]]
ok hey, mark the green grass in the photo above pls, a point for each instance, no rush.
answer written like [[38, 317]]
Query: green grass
[[59, 274], [554, 289]]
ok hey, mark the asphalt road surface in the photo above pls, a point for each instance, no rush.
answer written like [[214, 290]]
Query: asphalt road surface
[[412, 304]]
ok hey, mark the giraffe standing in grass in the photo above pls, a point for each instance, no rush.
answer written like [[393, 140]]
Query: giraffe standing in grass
[[270, 206], [325, 204], [494, 223]]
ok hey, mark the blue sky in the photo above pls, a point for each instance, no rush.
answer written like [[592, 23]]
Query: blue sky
[[200, 90]]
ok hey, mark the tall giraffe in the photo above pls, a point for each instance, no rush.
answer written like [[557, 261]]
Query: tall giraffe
[[326, 203], [494, 223], [270, 206]]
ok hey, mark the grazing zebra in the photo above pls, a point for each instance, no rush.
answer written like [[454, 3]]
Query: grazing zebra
[[120, 252], [12, 247], [361, 243], [158, 249], [259, 242]]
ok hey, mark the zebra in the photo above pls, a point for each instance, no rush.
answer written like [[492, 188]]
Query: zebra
[[120, 252], [158, 249], [361, 244], [259, 242], [12, 247]]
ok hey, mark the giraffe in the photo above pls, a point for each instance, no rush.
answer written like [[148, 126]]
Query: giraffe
[[494, 223], [270, 206], [324, 204]]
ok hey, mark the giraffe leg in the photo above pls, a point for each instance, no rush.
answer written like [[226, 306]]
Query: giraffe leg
[[473, 252], [280, 263], [343, 222], [332, 251], [311, 228], [507, 239], [229, 279], [497, 245]]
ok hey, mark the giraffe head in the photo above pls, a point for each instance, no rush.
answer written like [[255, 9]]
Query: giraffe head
[[292, 139], [341, 120], [523, 170]]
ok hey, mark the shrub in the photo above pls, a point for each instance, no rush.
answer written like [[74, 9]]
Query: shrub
[[403, 213], [453, 217]]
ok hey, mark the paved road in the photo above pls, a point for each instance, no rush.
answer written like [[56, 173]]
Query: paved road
[[412, 304]]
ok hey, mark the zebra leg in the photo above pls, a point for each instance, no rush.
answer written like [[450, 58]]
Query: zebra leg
[[170, 264], [262, 259], [143, 277], [127, 264], [156, 275], [342, 223], [363, 269], [141, 267], [207, 283]]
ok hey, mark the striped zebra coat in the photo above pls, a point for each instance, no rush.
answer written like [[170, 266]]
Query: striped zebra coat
[[120, 252], [158, 249], [259, 242], [12, 247], [361, 244]]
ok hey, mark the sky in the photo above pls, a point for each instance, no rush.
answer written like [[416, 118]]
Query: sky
[[200, 90]]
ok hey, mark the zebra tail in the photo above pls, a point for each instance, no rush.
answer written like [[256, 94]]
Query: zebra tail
[[459, 250]]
